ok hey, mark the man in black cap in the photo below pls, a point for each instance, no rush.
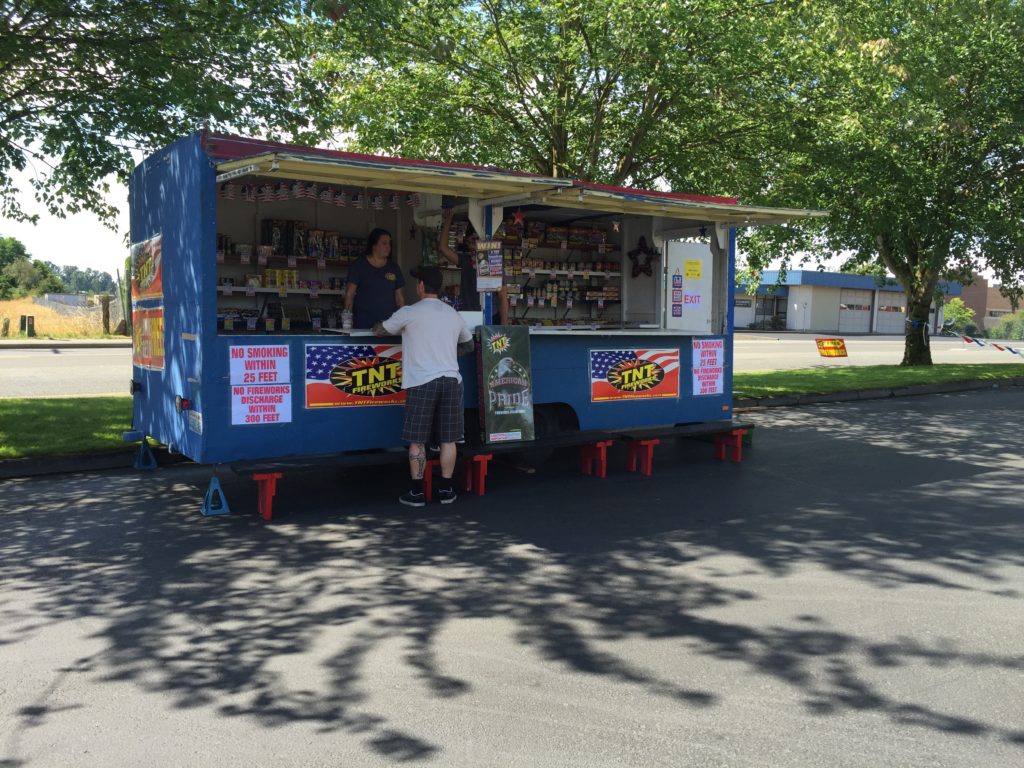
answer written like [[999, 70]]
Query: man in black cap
[[432, 333]]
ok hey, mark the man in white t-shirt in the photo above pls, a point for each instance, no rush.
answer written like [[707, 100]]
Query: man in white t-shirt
[[432, 333]]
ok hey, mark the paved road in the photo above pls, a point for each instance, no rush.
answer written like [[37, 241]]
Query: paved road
[[68, 371], [64, 371], [849, 596], [770, 352]]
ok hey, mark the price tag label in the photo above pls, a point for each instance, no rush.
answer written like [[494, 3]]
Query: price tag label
[[250, 290], [529, 302], [531, 271], [286, 324], [513, 300], [244, 258], [314, 292], [220, 257], [565, 245], [261, 260], [270, 324], [600, 303], [572, 272], [282, 290], [227, 288], [586, 274], [321, 262], [316, 323], [229, 324], [250, 323], [291, 261], [568, 303], [540, 302]]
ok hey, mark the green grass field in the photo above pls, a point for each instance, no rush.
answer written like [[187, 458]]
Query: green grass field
[[52, 426], [816, 381], [75, 425]]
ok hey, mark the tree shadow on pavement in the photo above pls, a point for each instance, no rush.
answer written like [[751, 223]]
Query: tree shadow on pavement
[[202, 610]]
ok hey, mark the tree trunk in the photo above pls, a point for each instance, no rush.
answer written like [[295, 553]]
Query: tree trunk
[[917, 350]]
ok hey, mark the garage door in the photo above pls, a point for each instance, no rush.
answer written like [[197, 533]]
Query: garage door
[[854, 311], [892, 313]]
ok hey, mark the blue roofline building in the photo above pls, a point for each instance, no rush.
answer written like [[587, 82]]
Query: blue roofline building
[[829, 302]]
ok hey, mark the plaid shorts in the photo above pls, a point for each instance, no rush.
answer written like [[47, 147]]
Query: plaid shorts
[[433, 411]]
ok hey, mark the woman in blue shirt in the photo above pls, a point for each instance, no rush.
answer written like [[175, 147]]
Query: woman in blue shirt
[[374, 288]]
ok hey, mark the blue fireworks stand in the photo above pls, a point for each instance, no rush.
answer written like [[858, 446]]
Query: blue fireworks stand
[[239, 252]]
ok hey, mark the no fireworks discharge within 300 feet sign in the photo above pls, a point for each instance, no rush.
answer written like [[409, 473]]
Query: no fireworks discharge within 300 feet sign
[[261, 390]]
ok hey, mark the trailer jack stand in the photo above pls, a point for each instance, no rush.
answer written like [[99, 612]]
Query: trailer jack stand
[[215, 503], [144, 459]]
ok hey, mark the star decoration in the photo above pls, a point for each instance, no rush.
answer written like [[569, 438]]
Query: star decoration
[[649, 254], [517, 218]]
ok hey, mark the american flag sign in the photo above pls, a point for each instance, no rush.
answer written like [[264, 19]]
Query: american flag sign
[[633, 374], [339, 375]]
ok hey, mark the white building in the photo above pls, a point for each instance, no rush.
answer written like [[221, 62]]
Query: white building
[[833, 302]]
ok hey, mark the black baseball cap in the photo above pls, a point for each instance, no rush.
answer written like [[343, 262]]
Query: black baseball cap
[[431, 277]]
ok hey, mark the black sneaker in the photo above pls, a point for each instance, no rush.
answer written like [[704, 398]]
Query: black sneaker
[[446, 495], [413, 499]]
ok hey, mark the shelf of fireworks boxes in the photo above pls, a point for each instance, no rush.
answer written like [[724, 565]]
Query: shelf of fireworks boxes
[[280, 281], [518, 262], [563, 293], [275, 316], [294, 242], [279, 317], [537, 234]]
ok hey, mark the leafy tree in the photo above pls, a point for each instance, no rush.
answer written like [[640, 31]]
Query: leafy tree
[[958, 314], [601, 90], [25, 277], [85, 83], [1010, 328], [11, 249], [76, 280], [910, 134]]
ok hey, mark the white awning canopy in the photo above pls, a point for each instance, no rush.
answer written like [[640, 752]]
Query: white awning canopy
[[499, 187]]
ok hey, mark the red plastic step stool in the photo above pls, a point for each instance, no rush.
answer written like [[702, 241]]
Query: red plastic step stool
[[475, 469], [642, 452], [266, 487], [594, 458], [730, 440]]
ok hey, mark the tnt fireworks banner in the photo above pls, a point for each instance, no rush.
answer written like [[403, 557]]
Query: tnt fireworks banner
[[147, 269], [506, 383], [148, 338], [633, 374], [343, 375]]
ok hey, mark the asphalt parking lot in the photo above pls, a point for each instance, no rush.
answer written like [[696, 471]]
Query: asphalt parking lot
[[849, 595]]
